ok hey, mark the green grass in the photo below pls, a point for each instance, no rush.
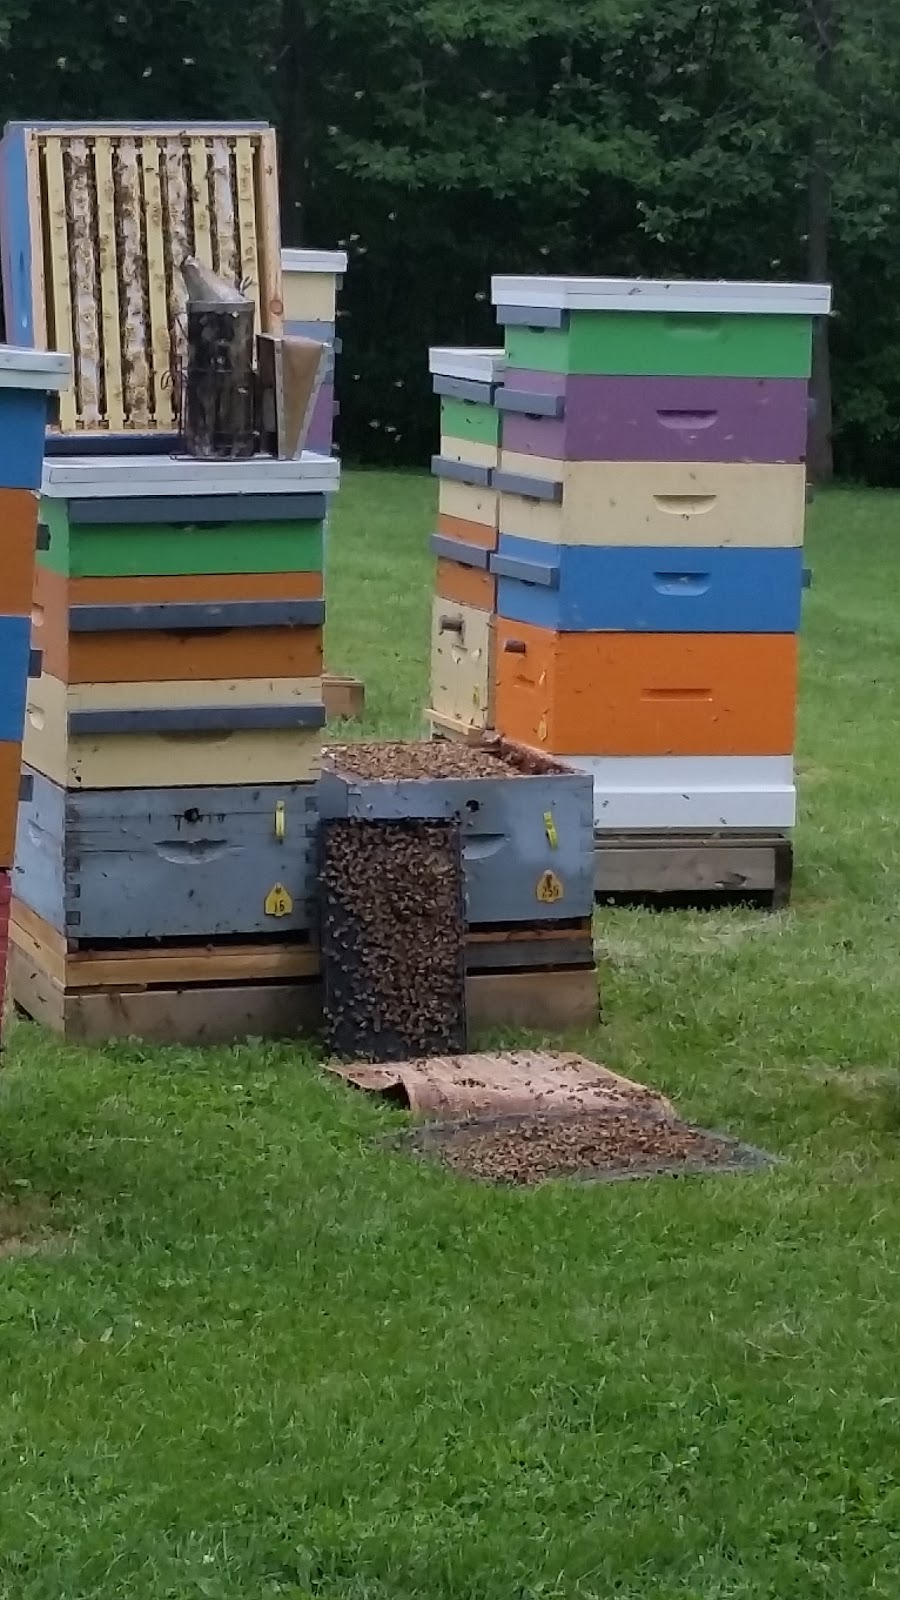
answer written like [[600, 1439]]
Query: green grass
[[273, 1360]]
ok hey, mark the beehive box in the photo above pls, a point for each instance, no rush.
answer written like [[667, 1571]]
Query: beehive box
[[526, 823], [611, 327], [95, 220], [183, 863]]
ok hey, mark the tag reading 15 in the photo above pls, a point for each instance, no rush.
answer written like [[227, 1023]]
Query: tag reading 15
[[278, 902]]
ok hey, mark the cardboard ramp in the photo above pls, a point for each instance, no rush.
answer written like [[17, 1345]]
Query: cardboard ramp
[[505, 1083]]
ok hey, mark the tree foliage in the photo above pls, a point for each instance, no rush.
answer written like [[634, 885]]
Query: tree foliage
[[444, 140]]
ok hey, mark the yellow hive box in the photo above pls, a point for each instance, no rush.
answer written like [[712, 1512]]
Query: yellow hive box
[[651, 503]]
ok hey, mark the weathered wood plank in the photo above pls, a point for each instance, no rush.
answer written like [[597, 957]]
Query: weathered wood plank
[[268, 227], [34, 991], [82, 222], [109, 283], [446, 727], [190, 1015], [38, 283], [343, 697], [249, 250], [177, 244], [227, 261], [135, 334], [162, 396], [58, 234], [40, 953], [545, 1002], [157, 966], [671, 864], [203, 244]]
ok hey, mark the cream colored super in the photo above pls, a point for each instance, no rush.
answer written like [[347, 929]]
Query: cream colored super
[[466, 501], [462, 663], [471, 451], [309, 284], [658, 503], [152, 760]]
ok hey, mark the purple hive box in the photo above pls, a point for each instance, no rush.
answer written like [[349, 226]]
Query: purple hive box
[[321, 427], [654, 419]]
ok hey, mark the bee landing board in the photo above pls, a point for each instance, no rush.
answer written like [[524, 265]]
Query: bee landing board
[[95, 221]]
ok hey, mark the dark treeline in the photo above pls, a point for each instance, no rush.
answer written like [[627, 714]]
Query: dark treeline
[[443, 140]]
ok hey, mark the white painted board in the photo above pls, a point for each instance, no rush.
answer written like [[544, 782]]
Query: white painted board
[[647, 294]]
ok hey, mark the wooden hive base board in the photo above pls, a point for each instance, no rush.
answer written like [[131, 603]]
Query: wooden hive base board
[[202, 1014], [148, 966], [194, 1014], [663, 794], [670, 866], [77, 964]]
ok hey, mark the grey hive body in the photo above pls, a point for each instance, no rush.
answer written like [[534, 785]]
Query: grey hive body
[[166, 863], [506, 845]]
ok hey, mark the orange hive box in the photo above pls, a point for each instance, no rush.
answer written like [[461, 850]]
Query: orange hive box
[[54, 592], [484, 534], [18, 525], [10, 771], [632, 694], [122, 657], [465, 586]]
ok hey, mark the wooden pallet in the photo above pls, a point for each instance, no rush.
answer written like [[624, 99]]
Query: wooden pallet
[[195, 994], [95, 223], [691, 866], [200, 1014]]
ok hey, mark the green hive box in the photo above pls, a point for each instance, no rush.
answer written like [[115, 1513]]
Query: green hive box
[[623, 327]]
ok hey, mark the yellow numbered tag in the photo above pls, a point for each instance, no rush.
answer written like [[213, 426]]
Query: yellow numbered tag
[[542, 730], [550, 830], [279, 819], [278, 902], [549, 888]]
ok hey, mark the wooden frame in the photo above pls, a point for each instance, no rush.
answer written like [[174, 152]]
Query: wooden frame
[[96, 219]]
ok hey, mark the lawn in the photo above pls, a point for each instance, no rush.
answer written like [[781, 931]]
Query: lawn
[[259, 1356]]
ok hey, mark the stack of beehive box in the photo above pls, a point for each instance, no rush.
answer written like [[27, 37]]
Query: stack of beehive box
[[311, 282], [463, 677], [548, 909], [651, 495], [27, 377], [163, 884], [173, 740]]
